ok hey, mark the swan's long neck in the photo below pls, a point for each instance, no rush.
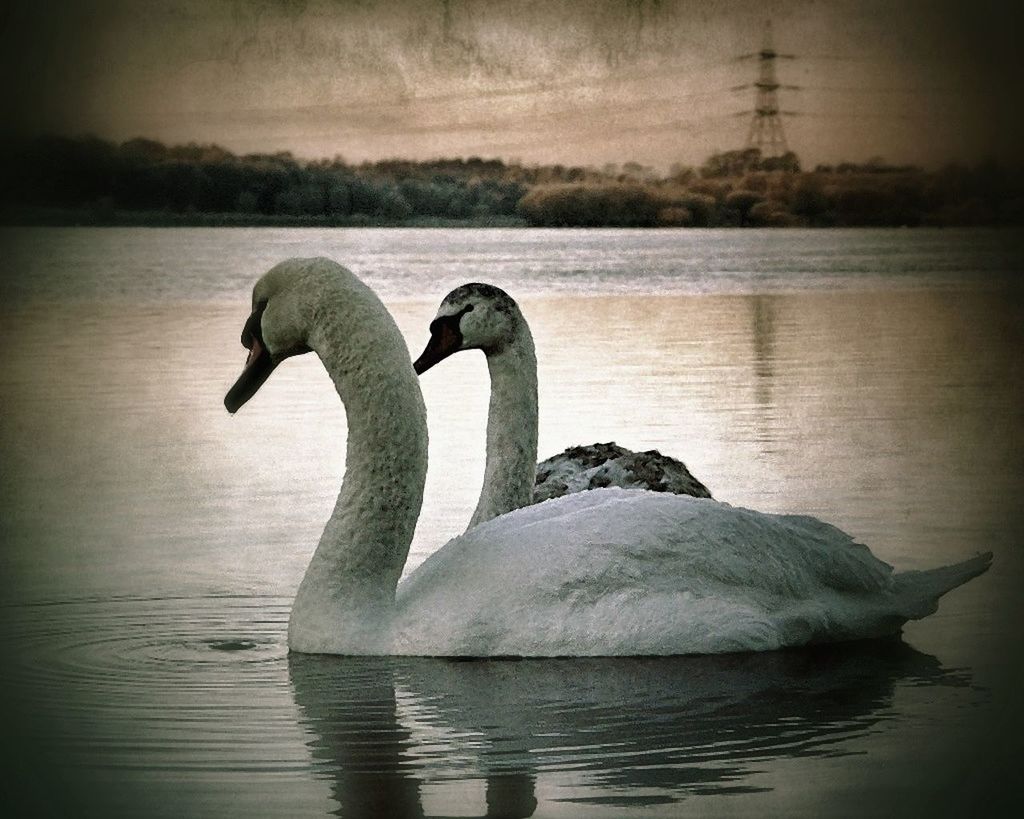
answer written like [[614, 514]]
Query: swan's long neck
[[345, 596], [511, 429]]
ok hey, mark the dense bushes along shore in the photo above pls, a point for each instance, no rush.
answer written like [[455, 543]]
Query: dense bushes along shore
[[56, 180]]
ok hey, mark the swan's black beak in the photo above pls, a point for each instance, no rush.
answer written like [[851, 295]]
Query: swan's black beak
[[445, 339], [258, 366]]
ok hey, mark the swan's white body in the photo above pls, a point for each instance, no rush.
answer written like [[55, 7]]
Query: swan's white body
[[631, 572], [596, 573]]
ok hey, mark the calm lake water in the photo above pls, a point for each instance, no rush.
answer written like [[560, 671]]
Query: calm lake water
[[151, 544]]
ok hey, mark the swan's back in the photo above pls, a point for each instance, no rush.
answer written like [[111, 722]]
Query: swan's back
[[598, 466], [626, 572]]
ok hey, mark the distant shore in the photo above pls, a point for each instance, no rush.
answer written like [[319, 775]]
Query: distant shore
[[94, 217], [87, 181], [89, 217], [85, 217]]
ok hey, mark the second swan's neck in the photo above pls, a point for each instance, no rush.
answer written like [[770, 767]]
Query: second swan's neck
[[511, 430], [347, 591]]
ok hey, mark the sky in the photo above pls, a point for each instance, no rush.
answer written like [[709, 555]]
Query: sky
[[580, 83]]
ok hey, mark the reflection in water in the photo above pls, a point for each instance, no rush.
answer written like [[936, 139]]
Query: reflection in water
[[763, 334], [627, 732], [511, 795], [358, 736]]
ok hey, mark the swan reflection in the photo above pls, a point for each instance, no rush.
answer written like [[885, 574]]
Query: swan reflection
[[628, 732]]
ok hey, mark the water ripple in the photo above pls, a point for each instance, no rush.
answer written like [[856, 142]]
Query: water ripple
[[173, 706], [125, 697]]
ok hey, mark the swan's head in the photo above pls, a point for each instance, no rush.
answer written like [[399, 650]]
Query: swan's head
[[276, 329], [472, 317]]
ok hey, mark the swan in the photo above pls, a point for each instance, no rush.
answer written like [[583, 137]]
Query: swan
[[512, 476], [604, 572]]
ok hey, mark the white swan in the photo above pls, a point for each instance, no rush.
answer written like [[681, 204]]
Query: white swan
[[512, 476], [604, 572]]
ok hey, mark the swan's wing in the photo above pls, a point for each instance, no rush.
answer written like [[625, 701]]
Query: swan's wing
[[627, 572], [839, 562], [598, 466]]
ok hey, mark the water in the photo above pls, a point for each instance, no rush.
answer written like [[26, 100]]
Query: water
[[152, 543]]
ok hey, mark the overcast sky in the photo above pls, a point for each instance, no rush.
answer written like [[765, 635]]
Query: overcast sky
[[570, 82]]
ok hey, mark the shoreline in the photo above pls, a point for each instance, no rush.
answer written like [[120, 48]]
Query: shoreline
[[87, 217]]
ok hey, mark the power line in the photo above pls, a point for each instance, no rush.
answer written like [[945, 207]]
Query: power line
[[850, 89]]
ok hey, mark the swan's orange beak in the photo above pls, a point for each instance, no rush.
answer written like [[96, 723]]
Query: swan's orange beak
[[445, 339], [258, 364]]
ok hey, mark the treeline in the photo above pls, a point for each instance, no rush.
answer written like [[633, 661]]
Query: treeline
[[742, 189], [108, 182], [58, 180]]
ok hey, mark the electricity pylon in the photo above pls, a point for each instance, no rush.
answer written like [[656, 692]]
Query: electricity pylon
[[766, 132]]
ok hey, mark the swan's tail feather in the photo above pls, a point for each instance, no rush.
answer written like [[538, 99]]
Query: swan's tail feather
[[919, 592]]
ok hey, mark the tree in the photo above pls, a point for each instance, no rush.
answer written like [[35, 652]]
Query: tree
[[740, 202]]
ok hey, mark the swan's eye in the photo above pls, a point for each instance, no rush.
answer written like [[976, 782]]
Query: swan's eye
[[468, 308]]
